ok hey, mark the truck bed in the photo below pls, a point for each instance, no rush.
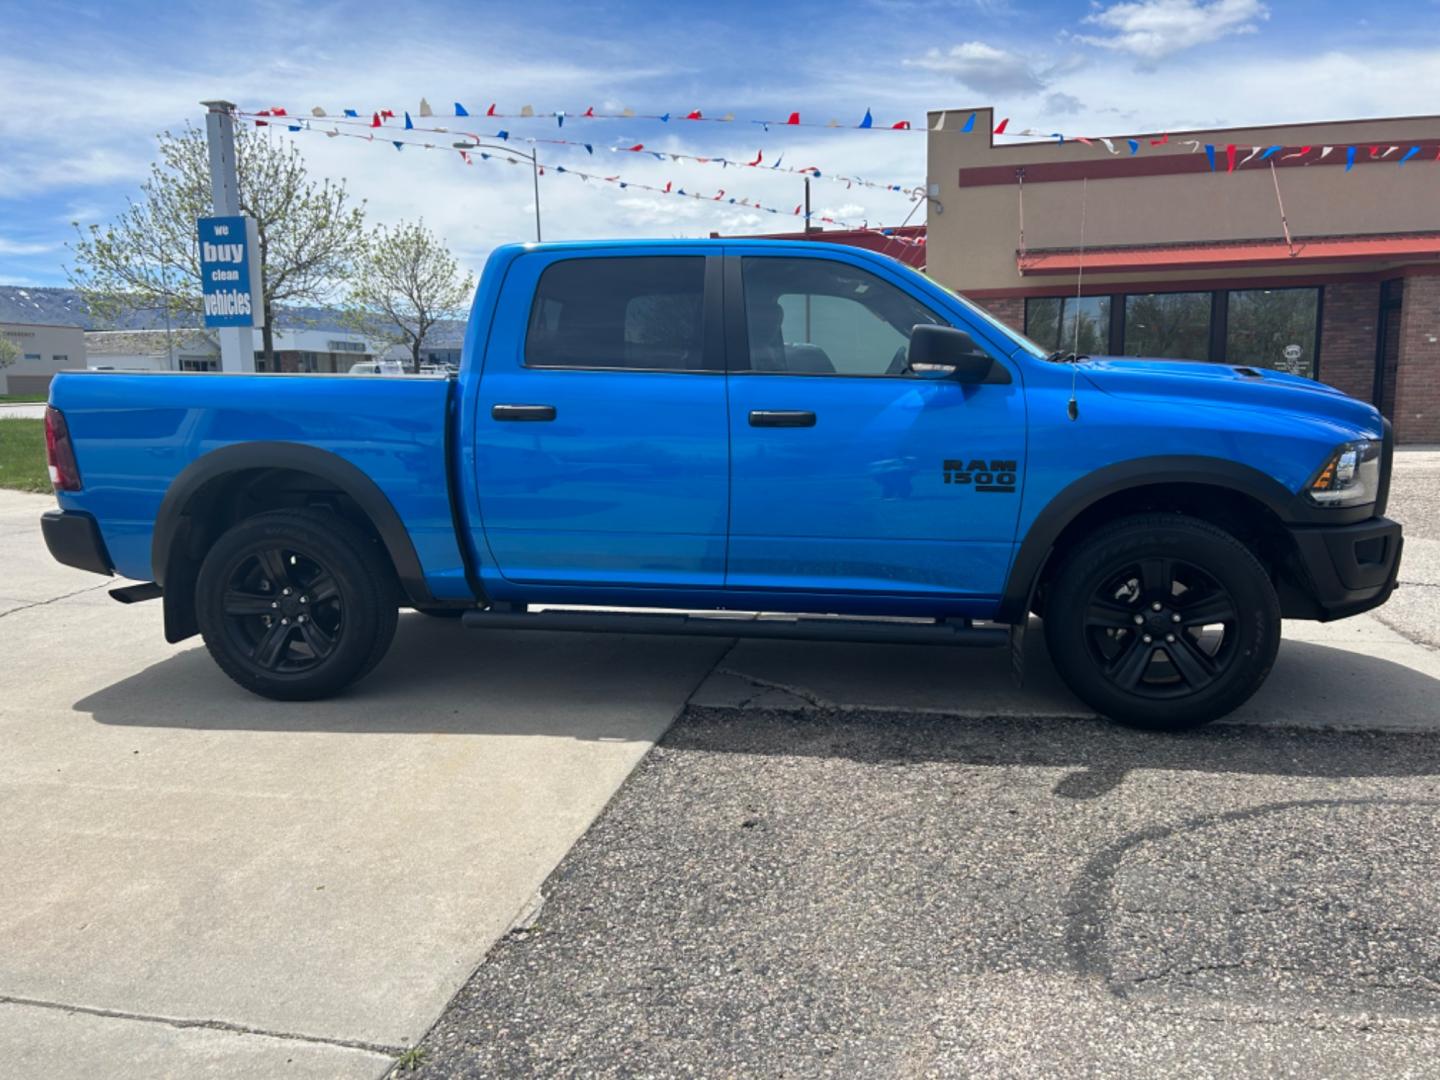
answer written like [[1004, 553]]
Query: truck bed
[[135, 433]]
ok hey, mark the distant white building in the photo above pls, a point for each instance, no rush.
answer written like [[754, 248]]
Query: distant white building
[[43, 350], [308, 350]]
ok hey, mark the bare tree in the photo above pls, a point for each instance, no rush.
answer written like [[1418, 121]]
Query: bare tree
[[405, 282], [309, 232]]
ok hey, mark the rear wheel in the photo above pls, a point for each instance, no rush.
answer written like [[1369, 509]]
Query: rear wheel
[[295, 604], [1162, 622]]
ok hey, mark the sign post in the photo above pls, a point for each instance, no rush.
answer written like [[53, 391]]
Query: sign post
[[237, 339]]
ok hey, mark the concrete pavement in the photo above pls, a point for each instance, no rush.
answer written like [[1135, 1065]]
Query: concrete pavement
[[22, 412], [198, 880]]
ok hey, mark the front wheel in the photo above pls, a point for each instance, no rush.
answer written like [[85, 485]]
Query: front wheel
[[1163, 622], [295, 604]]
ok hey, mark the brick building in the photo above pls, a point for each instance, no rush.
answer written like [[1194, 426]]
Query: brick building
[[1179, 261]]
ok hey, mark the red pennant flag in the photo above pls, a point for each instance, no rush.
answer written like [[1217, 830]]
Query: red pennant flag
[[278, 111], [695, 115], [1000, 127], [389, 114], [720, 196], [902, 125], [611, 179], [667, 187], [1160, 141], [1081, 139], [636, 148], [490, 111], [465, 157], [261, 123], [794, 118], [1374, 151], [375, 120], [1230, 158], [759, 157], [590, 112], [797, 209]]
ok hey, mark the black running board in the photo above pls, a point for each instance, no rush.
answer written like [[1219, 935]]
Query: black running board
[[135, 594], [876, 631]]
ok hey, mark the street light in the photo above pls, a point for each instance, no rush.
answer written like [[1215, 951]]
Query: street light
[[532, 157]]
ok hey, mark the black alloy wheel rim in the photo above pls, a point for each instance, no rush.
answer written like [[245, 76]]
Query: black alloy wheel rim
[[282, 609], [1161, 628]]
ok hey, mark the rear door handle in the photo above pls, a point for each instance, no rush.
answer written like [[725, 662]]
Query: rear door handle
[[523, 412], [782, 418]]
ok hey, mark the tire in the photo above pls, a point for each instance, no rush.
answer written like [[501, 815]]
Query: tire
[[1208, 629], [325, 641]]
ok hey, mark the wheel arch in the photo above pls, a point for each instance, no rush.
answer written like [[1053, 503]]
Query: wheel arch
[[1218, 490], [203, 499]]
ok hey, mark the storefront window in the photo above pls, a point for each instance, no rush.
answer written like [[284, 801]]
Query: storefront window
[[1273, 328], [1172, 326], [1051, 322]]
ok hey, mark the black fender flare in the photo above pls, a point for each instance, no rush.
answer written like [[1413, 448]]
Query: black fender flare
[[171, 519], [1038, 545]]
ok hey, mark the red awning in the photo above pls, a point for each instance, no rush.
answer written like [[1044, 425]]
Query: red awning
[[1237, 255]]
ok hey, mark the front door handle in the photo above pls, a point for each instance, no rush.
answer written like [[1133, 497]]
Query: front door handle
[[523, 412], [781, 418]]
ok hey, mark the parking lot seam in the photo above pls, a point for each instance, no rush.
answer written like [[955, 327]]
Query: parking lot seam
[[54, 599], [211, 1025]]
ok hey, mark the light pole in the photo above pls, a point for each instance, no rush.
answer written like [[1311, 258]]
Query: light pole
[[532, 157]]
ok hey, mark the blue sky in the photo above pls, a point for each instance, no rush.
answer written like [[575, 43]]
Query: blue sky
[[86, 86]]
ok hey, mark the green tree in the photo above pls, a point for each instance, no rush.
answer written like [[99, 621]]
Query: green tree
[[9, 353], [404, 282], [148, 257]]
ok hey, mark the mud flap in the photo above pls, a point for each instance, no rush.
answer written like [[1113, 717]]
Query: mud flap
[[1017, 652]]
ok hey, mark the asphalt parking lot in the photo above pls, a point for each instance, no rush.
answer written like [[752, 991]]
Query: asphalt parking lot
[[839, 861]]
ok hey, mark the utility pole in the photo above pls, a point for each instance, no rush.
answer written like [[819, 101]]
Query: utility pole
[[807, 204], [535, 173], [237, 343]]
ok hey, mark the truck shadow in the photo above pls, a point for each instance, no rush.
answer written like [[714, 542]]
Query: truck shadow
[[439, 679]]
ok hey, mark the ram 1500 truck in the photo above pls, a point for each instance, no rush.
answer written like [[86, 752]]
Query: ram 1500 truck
[[728, 425]]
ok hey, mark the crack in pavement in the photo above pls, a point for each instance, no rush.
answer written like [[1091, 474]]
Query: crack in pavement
[[210, 1025], [54, 599], [814, 699]]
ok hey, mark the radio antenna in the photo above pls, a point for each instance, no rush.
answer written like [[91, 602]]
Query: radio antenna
[[1072, 407]]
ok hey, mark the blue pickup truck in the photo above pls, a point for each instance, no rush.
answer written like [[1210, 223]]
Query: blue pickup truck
[[751, 426]]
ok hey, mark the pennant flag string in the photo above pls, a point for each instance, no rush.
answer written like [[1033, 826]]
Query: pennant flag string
[[467, 156], [1393, 154], [502, 135]]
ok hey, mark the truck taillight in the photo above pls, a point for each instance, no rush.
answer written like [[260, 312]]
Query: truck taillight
[[60, 452]]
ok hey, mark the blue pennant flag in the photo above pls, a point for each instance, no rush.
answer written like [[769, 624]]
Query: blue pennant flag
[[296, 127], [408, 124], [1057, 135], [680, 191], [1349, 158], [869, 121], [1409, 154], [969, 125], [460, 110], [503, 135], [399, 146], [665, 118], [1210, 153], [589, 149], [351, 112], [559, 119], [559, 168], [1134, 147], [624, 184], [1270, 152]]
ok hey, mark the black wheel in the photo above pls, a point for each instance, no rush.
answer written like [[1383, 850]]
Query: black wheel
[[1163, 622], [295, 604]]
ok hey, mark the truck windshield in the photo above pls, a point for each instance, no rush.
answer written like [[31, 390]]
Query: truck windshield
[[1016, 338]]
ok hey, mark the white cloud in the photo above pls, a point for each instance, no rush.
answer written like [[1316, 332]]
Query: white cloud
[[1151, 29], [20, 247], [983, 68]]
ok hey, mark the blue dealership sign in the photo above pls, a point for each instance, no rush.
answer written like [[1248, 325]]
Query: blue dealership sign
[[230, 271]]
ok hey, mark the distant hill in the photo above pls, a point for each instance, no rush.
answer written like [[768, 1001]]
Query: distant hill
[[63, 307]]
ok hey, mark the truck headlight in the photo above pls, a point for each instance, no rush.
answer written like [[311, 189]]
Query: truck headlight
[[1351, 476]]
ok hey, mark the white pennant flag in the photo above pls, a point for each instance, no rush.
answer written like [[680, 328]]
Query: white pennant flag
[[317, 111], [425, 109], [1325, 151], [1109, 145]]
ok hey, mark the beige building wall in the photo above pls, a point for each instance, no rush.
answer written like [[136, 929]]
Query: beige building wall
[[974, 231], [44, 350]]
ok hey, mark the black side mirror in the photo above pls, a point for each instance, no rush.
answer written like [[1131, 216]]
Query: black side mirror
[[943, 352]]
